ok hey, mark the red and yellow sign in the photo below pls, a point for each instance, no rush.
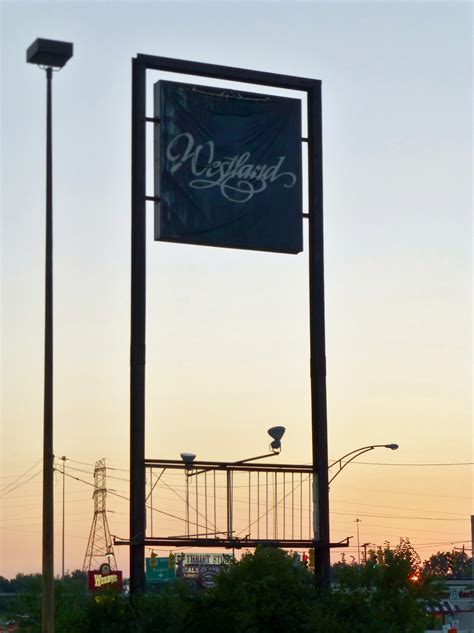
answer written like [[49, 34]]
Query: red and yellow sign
[[104, 577]]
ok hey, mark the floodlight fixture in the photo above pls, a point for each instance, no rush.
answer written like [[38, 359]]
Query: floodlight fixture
[[188, 459], [49, 53], [276, 433], [393, 447]]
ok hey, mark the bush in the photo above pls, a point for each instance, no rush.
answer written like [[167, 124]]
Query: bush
[[265, 592]]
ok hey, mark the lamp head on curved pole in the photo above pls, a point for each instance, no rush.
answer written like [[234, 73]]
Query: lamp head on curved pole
[[356, 453]]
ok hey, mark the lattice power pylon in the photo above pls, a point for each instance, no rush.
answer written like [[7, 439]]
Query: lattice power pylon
[[100, 547]]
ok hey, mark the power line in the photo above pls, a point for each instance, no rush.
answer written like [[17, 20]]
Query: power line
[[413, 464], [374, 505], [3, 490], [386, 491], [75, 461], [115, 494], [78, 470], [434, 532], [441, 543], [394, 516], [22, 483]]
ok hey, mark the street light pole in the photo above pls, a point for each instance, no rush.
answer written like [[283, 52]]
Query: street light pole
[[48, 456], [49, 55], [63, 459]]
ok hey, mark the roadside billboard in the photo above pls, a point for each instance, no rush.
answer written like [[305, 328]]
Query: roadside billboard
[[228, 168]]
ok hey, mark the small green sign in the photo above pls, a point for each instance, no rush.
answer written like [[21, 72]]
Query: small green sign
[[158, 570]]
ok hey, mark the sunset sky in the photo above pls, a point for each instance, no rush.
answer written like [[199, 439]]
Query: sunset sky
[[227, 331]]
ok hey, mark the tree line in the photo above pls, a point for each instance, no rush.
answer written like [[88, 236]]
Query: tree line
[[267, 590]]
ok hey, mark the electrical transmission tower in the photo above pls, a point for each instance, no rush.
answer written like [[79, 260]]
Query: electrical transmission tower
[[99, 546]]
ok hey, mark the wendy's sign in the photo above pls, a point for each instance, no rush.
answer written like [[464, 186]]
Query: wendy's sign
[[104, 577], [227, 168]]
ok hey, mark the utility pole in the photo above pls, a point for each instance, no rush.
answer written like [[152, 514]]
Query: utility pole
[[365, 546], [472, 543], [472, 533], [357, 521], [63, 459]]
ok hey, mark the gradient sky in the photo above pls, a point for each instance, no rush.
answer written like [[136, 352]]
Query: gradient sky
[[227, 337]]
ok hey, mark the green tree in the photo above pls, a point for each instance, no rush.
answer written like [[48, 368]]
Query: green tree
[[266, 591], [71, 598], [29, 588], [5, 585], [455, 565], [70, 595], [387, 594]]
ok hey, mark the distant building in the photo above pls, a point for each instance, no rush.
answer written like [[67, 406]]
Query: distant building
[[456, 606]]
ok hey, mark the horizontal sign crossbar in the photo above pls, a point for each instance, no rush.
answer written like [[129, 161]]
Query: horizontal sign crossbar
[[208, 465], [226, 73], [233, 543]]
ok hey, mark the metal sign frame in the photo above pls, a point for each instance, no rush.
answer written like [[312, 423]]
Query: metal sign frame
[[290, 489], [312, 88]]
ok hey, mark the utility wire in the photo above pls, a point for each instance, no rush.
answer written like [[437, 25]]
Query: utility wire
[[374, 505], [74, 461], [21, 476], [88, 472], [411, 464], [115, 494], [412, 494], [394, 516], [436, 533], [22, 483]]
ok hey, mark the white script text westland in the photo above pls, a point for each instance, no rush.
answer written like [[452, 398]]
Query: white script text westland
[[237, 179]]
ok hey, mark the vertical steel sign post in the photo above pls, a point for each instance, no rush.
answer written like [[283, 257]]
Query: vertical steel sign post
[[318, 338], [312, 87], [137, 345]]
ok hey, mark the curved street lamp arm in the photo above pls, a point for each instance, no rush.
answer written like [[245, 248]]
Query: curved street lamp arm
[[356, 453]]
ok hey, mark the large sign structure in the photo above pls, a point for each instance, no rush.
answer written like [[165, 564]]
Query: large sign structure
[[227, 168], [230, 506], [268, 177]]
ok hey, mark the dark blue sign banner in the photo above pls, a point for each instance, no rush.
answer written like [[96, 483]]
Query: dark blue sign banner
[[228, 168]]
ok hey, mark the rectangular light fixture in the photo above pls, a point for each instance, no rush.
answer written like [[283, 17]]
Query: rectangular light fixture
[[49, 53]]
